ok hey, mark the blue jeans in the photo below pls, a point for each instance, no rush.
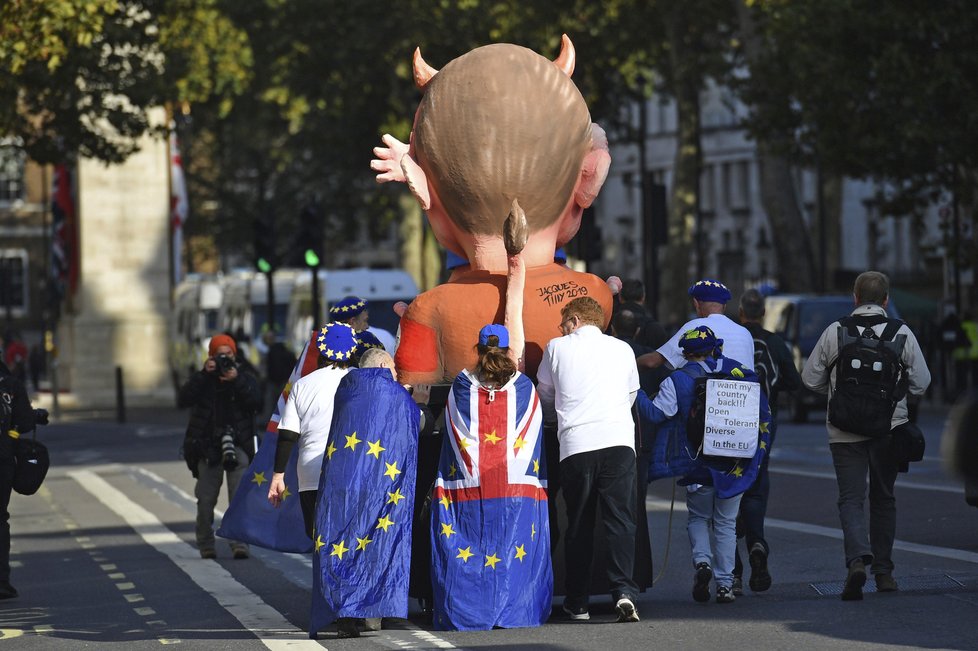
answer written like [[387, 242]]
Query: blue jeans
[[706, 509], [853, 462]]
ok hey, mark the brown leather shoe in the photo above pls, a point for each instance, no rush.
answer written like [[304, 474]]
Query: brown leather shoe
[[885, 583], [855, 580], [208, 553]]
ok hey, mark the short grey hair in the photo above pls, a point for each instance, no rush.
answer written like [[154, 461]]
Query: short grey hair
[[752, 304], [375, 358]]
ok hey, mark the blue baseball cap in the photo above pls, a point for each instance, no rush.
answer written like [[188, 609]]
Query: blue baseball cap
[[494, 329]]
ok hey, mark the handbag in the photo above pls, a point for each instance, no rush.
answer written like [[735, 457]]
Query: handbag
[[31, 465], [907, 443]]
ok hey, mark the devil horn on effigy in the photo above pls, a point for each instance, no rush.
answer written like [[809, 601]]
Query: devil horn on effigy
[[567, 57], [422, 71]]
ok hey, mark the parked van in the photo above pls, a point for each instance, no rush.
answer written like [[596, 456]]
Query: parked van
[[244, 310], [196, 307], [381, 287], [800, 319]]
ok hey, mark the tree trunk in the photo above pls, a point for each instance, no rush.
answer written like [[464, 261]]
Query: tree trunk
[[832, 188], [412, 238], [684, 203], [789, 232]]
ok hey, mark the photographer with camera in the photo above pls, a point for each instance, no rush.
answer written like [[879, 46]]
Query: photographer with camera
[[223, 398]]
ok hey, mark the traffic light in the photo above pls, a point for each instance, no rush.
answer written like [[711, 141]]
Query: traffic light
[[310, 235], [266, 258]]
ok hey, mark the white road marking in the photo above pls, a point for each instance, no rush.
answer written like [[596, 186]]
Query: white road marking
[[167, 490], [267, 624], [657, 504], [941, 488]]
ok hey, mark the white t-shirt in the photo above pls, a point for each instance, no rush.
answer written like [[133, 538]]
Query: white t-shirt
[[738, 344], [309, 411], [590, 380]]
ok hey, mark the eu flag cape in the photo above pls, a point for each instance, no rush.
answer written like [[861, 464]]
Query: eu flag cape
[[361, 564], [490, 529], [250, 517]]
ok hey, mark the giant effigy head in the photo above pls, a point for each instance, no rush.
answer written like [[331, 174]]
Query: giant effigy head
[[498, 124]]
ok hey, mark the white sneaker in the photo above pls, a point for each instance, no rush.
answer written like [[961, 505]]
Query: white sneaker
[[626, 610]]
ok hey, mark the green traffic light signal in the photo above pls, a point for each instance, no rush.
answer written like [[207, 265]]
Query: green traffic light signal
[[263, 265], [312, 260]]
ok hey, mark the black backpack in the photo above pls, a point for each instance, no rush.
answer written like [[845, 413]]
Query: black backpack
[[870, 377], [696, 419], [764, 366]]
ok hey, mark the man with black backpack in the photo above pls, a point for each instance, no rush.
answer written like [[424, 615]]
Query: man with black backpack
[[776, 372], [866, 363]]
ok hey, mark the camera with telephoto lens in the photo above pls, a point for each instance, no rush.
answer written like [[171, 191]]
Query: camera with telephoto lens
[[224, 364], [229, 458]]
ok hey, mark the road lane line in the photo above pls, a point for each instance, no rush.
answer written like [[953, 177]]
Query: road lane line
[[658, 504], [941, 488], [271, 558], [255, 615]]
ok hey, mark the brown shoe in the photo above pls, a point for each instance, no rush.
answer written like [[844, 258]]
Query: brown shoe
[[208, 553], [885, 583], [855, 580], [239, 552]]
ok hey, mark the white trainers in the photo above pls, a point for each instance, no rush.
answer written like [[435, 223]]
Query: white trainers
[[626, 610]]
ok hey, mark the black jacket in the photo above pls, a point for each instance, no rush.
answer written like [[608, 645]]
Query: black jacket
[[15, 412], [214, 406]]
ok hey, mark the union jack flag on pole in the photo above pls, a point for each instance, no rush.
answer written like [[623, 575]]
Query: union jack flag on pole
[[179, 205], [491, 535], [250, 517]]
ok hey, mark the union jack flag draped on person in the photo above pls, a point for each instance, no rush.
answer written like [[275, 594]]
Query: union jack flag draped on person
[[250, 517], [64, 248], [491, 535]]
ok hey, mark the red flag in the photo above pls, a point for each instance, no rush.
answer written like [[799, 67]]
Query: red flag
[[64, 236]]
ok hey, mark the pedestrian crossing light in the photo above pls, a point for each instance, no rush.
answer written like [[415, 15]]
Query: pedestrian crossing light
[[312, 259], [263, 265]]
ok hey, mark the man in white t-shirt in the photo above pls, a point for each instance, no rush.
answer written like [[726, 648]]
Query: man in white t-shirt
[[307, 417], [589, 381], [709, 297]]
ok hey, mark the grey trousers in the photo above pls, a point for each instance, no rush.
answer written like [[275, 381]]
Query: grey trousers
[[853, 461], [208, 489]]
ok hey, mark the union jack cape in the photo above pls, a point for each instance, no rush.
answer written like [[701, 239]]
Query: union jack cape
[[490, 530], [250, 517]]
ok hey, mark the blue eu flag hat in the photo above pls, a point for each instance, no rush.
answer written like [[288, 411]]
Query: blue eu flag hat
[[699, 340], [348, 308], [336, 342], [365, 341], [710, 291]]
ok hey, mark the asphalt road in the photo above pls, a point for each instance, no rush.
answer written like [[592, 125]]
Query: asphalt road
[[103, 556]]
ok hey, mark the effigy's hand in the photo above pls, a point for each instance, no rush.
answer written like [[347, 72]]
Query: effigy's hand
[[614, 284], [388, 161]]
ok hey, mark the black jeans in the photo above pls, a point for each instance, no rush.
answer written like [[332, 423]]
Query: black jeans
[[6, 483], [608, 475], [307, 502], [753, 508]]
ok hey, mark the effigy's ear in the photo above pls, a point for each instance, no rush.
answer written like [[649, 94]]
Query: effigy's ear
[[594, 169], [417, 180]]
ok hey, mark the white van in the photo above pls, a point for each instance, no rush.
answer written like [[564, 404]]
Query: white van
[[196, 306], [382, 288], [244, 310]]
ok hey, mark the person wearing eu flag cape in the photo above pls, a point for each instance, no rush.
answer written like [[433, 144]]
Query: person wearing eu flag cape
[[490, 529], [713, 489], [362, 535]]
